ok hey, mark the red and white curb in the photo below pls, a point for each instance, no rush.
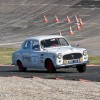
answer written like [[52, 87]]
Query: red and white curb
[[56, 78], [6, 65], [92, 65]]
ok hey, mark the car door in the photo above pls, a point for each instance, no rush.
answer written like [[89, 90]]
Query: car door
[[27, 47], [35, 54]]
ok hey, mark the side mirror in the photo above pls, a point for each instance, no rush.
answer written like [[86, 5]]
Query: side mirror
[[77, 44]]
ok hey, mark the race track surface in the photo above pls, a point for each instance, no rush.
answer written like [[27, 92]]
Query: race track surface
[[92, 73], [20, 19]]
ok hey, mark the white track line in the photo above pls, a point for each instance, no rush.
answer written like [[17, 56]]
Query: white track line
[[2, 26], [22, 16], [33, 17], [26, 14], [40, 28], [10, 43], [42, 4], [51, 25]]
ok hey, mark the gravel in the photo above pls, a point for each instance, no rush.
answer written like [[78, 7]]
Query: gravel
[[16, 88]]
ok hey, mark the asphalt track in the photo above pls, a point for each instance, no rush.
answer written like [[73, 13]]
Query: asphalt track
[[92, 73], [20, 19]]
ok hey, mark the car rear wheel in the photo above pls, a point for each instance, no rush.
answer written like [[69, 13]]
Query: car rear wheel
[[20, 66], [81, 68], [50, 66]]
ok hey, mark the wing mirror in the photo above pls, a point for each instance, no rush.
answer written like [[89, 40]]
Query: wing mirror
[[77, 44]]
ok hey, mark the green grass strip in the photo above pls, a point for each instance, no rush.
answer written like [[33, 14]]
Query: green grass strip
[[94, 60], [6, 56]]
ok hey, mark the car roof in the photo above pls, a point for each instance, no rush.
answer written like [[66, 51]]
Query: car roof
[[43, 37]]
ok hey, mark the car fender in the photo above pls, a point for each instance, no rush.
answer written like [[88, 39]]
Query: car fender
[[50, 56]]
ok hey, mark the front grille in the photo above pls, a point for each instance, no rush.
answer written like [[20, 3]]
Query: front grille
[[72, 56]]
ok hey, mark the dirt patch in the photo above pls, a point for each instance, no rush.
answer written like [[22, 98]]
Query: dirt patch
[[15, 88]]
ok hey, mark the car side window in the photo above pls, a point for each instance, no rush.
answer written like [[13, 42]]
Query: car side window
[[27, 45], [35, 45]]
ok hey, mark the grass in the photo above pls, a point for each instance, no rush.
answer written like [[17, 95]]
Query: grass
[[94, 60], [6, 54]]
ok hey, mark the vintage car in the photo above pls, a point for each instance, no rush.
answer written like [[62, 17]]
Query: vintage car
[[51, 52]]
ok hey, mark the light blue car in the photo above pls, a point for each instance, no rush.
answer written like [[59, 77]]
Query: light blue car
[[51, 52]]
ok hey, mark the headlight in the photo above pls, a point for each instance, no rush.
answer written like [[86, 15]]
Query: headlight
[[59, 55], [84, 52], [81, 59]]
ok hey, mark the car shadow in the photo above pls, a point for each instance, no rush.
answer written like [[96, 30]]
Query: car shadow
[[13, 71], [43, 74], [63, 74], [38, 71]]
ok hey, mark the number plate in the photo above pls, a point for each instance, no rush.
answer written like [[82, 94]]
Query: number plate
[[71, 61]]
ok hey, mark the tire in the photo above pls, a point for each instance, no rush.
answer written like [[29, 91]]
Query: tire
[[81, 68], [20, 67], [50, 66]]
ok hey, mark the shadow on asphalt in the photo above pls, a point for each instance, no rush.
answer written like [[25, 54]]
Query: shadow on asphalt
[[34, 70], [37, 71], [6, 72], [92, 73]]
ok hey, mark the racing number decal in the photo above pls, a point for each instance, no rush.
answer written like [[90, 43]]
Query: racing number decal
[[34, 60]]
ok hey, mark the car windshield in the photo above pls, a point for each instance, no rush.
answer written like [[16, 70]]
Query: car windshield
[[54, 42]]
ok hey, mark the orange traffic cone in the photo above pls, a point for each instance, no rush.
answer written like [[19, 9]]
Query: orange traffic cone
[[77, 20], [45, 19], [56, 19], [81, 22], [68, 19], [78, 27], [60, 33], [71, 31]]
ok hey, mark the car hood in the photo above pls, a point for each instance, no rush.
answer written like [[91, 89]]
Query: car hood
[[65, 50]]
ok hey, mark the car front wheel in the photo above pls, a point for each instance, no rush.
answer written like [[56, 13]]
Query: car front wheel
[[20, 66], [50, 66], [81, 68]]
